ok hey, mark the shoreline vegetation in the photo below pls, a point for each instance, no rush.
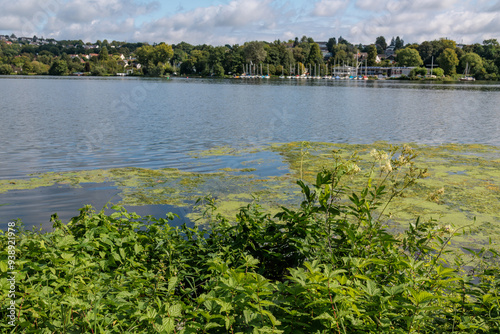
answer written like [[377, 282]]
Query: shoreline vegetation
[[461, 183], [442, 60], [325, 263]]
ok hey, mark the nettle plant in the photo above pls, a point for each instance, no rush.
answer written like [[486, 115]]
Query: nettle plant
[[330, 265]]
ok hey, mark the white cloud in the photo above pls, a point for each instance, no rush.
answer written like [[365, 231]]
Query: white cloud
[[214, 24], [429, 20], [329, 7], [72, 19], [237, 21], [371, 5]]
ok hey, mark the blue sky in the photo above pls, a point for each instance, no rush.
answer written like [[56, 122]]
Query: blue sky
[[219, 22]]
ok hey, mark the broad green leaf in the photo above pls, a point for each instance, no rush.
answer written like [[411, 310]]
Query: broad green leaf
[[172, 282], [324, 316], [3, 266], [67, 256], [175, 310], [168, 325]]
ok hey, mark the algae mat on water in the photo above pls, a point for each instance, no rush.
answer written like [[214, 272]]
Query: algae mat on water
[[461, 188], [232, 188], [462, 183]]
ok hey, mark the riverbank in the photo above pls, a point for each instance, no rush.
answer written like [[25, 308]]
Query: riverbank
[[325, 263], [460, 187]]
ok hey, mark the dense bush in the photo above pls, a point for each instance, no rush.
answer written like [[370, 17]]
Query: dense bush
[[327, 266]]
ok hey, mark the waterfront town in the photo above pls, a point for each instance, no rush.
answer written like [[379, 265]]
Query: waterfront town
[[302, 58]]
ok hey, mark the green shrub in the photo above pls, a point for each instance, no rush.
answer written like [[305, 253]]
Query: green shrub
[[5, 69], [327, 266]]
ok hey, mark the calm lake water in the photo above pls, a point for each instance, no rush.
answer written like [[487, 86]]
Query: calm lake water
[[61, 124]]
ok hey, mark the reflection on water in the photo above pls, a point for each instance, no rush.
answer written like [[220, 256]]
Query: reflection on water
[[35, 207], [63, 124], [56, 124]]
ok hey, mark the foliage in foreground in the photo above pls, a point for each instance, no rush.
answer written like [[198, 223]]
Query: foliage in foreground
[[328, 266]]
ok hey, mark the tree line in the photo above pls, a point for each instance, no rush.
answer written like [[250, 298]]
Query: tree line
[[279, 57]]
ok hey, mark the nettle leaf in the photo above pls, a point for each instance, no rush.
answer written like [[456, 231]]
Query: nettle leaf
[[225, 306], [122, 253], [371, 288], [249, 315], [3, 266], [271, 317], [211, 325], [172, 282], [324, 316], [175, 310], [116, 257], [168, 325], [124, 294], [67, 256], [424, 297], [138, 248], [65, 241]]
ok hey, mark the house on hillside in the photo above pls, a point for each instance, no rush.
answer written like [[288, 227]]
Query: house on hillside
[[324, 49], [391, 49]]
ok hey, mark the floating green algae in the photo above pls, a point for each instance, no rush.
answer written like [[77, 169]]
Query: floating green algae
[[462, 183], [140, 186], [216, 151]]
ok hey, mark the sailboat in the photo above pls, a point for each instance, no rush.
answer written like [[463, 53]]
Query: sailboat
[[466, 76]]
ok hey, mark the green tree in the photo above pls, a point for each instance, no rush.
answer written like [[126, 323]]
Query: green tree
[[217, 55], [315, 56], [28, 67], [473, 61], [153, 70], [103, 54], [372, 56], [342, 40], [144, 54], [98, 70], [408, 57], [491, 49], [340, 56], [425, 50], [59, 67], [40, 68], [418, 71], [234, 60], [188, 66], [491, 70], [438, 46], [448, 61], [45, 59], [179, 56], [162, 53], [399, 43], [5, 69], [331, 43], [255, 52], [438, 72], [298, 54], [381, 44], [218, 70]]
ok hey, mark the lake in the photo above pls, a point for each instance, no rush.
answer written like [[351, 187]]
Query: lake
[[55, 124]]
